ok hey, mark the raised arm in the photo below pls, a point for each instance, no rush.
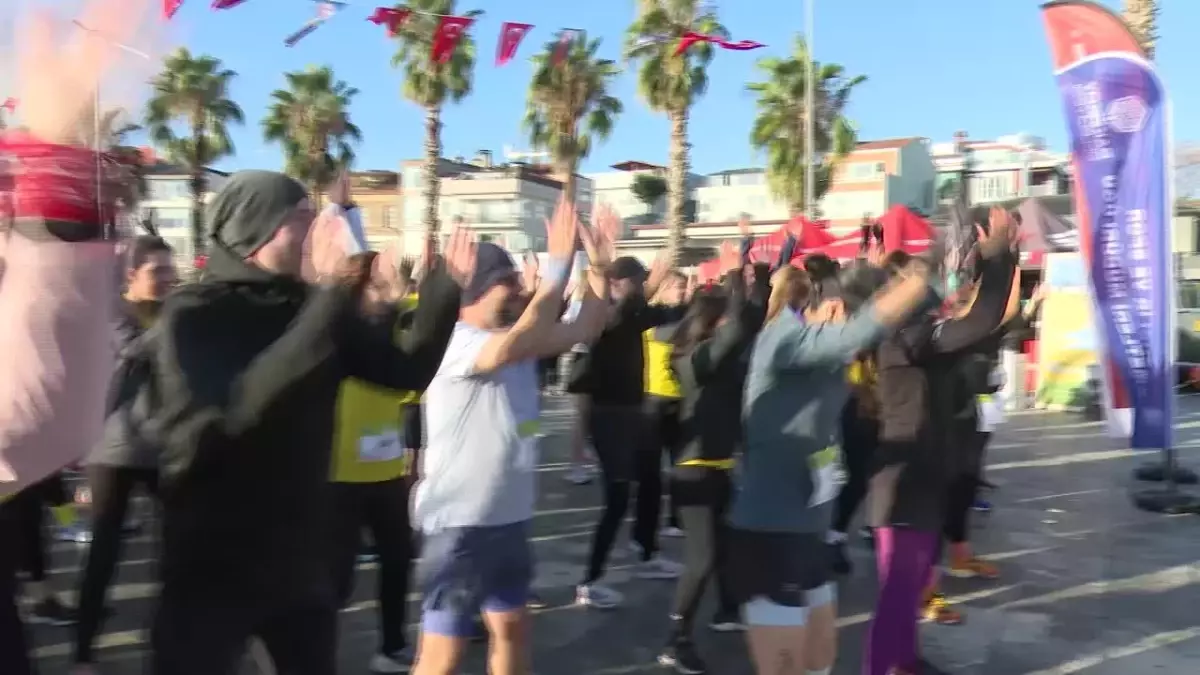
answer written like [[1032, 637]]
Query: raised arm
[[741, 321], [806, 345], [998, 293]]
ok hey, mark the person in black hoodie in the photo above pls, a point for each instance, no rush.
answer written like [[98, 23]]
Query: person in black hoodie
[[127, 456], [248, 363], [613, 373], [709, 358], [920, 388]]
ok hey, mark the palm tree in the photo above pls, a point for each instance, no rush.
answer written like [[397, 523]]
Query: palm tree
[[1142, 17], [566, 95], [310, 120], [670, 84], [432, 85], [779, 125], [193, 90]]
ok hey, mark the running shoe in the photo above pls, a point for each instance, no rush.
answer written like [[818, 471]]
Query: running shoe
[[658, 567], [982, 506], [598, 596], [76, 534], [937, 610], [973, 568], [367, 557], [726, 622], [580, 474], [51, 612], [671, 531], [681, 655], [396, 662]]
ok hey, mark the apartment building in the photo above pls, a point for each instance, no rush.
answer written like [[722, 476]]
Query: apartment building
[[1010, 167], [615, 188], [504, 203], [167, 204], [877, 175], [380, 201]]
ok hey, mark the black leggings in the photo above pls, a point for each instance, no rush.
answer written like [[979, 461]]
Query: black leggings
[[964, 489], [112, 487], [381, 508], [664, 435], [29, 507], [14, 649], [703, 496], [860, 438], [619, 441]]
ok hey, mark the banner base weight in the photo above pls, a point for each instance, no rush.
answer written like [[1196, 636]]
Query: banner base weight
[[1157, 473]]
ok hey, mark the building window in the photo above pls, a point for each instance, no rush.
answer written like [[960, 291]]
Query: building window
[[412, 177], [169, 219], [864, 171], [391, 217], [168, 189], [992, 188]]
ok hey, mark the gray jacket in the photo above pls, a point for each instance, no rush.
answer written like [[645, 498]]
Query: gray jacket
[[795, 391]]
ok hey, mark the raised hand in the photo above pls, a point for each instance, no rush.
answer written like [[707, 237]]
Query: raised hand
[[729, 258], [460, 256], [562, 232], [598, 240], [1001, 234], [875, 254], [529, 271]]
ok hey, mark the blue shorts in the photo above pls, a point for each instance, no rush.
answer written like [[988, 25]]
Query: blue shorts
[[467, 570]]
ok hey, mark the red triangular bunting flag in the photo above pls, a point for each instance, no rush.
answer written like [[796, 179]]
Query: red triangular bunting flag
[[391, 17], [691, 38], [226, 4], [565, 37], [170, 7], [511, 34], [449, 31]]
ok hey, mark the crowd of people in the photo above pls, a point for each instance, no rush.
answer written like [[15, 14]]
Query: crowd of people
[[330, 396]]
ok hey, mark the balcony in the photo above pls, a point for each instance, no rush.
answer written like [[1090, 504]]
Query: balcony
[[1044, 190]]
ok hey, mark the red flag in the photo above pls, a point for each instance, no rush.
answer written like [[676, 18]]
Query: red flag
[[691, 38], [225, 4], [565, 37], [170, 7], [10, 104], [449, 31], [391, 17], [511, 34]]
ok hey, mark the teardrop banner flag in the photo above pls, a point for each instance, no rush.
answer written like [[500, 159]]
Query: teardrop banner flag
[[511, 34], [449, 31], [1117, 116]]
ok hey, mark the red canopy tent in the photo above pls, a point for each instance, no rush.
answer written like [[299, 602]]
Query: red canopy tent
[[902, 230], [810, 237]]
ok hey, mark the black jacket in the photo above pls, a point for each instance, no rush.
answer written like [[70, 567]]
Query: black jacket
[[613, 370], [248, 367], [712, 377], [128, 439]]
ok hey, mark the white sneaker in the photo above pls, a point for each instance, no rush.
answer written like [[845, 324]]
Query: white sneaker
[[400, 662], [673, 532], [580, 474], [598, 596], [659, 568]]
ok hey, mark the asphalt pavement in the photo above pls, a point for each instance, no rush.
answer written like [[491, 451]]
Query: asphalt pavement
[[1090, 585]]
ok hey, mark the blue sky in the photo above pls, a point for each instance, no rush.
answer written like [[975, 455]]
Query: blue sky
[[934, 67]]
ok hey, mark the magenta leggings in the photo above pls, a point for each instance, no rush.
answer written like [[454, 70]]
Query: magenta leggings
[[905, 558]]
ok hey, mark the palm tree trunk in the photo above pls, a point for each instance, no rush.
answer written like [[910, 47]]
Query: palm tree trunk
[[197, 185], [566, 172], [677, 185], [433, 152]]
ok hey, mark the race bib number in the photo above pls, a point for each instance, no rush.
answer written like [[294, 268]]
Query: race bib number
[[383, 447], [827, 475]]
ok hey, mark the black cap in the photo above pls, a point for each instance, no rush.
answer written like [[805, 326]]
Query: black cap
[[493, 265]]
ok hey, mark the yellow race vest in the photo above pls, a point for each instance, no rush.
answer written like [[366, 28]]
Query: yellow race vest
[[660, 379], [368, 436]]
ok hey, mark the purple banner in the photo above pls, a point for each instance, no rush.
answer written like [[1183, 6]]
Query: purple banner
[[1117, 115]]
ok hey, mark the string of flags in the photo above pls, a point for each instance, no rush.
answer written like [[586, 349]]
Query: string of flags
[[450, 30]]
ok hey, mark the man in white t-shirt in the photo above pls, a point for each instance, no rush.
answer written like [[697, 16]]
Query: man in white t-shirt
[[477, 491]]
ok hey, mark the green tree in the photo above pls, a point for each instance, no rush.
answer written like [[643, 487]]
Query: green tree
[[310, 119], [648, 188], [569, 107], [779, 124], [193, 91], [432, 85], [670, 84]]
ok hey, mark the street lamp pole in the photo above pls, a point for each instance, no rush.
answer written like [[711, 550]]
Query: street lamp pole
[[809, 112], [96, 110]]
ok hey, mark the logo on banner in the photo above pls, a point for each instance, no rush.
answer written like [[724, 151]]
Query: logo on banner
[[1127, 115]]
